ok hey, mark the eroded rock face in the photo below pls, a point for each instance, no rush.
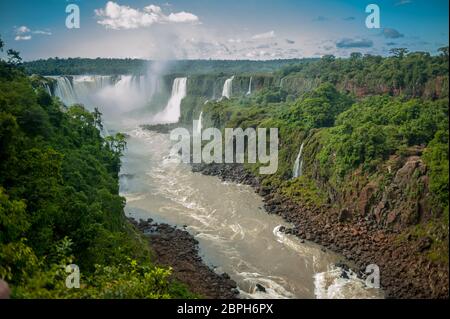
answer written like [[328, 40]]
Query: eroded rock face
[[366, 198], [396, 197], [403, 201]]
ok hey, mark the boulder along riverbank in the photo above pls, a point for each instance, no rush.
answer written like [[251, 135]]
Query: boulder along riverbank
[[178, 249], [405, 271]]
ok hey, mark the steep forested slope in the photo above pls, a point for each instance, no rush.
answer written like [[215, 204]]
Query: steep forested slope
[[59, 202]]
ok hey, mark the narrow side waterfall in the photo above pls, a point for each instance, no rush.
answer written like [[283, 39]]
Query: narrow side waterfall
[[250, 86], [199, 125], [298, 165], [282, 82], [171, 114], [227, 88]]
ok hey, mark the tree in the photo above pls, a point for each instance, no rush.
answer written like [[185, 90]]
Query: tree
[[2, 44], [98, 118], [356, 55], [328, 58], [14, 57], [117, 143], [444, 52], [399, 52]]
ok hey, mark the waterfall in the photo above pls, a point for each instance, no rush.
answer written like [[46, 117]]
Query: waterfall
[[281, 82], [171, 114], [214, 91], [227, 88], [47, 88], [78, 89], [64, 90], [199, 127], [298, 165], [250, 86], [118, 93]]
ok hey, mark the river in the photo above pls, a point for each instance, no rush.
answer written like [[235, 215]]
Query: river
[[235, 234]]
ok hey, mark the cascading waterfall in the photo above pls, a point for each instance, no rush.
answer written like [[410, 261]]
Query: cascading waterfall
[[64, 90], [113, 95], [85, 87], [250, 86], [171, 114], [78, 89], [227, 88], [118, 93], [47, 88], [298, 165]]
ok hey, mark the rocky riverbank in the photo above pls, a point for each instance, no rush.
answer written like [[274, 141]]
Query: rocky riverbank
[[405, 270], [179, 249]]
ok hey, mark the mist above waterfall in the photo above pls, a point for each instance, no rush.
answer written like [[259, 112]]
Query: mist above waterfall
[[132, 93]]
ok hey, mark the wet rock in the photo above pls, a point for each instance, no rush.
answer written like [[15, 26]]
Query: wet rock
[[260, 288]]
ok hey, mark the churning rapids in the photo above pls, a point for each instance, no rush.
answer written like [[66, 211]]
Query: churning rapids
[[235, 234]]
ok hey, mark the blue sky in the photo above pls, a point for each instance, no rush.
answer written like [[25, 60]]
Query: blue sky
[[232, 29]]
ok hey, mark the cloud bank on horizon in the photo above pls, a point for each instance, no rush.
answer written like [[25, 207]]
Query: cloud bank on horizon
[[236, 29], [117, 17]]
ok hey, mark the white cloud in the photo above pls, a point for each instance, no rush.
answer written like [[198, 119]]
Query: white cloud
[[22, 37], [42, 32], [182, 17], [119, 17], [266, 35], [22, 29], [23, 33], [403, 2]]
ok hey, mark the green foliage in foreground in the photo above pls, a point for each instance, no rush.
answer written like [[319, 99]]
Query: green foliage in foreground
[[59, 203]]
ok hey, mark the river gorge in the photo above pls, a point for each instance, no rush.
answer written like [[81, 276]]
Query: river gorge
[[235, 233]]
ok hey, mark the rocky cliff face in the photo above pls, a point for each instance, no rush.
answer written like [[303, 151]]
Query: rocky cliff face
[[396, 196], [396, 200]]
